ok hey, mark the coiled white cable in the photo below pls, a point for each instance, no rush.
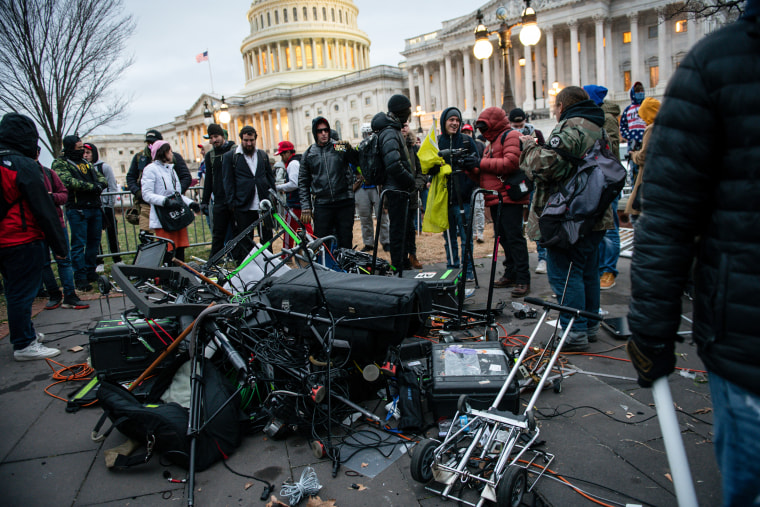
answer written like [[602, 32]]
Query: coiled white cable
[[308, 485]]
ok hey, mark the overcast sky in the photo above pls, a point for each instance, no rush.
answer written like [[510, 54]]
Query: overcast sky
[[165, 80]]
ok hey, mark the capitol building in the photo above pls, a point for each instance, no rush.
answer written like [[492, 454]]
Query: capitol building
[[306, 58]]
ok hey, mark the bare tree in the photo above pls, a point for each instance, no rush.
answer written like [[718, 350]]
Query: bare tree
[[58, 59], [731, 9]]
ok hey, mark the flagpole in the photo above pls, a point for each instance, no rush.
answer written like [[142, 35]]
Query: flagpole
[[210, 76]]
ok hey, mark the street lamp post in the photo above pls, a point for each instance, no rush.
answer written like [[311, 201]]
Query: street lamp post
[[530, 34], [208, 116]]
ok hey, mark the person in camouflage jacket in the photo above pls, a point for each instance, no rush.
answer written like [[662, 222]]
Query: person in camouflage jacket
[[83, 213], [581, 123]]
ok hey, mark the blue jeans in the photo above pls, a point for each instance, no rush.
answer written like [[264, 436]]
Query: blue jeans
[[737, 441], [20, 266], [65, 272], [609, 248], [539, 249], [86, 229], [582, 290], [457, 227]]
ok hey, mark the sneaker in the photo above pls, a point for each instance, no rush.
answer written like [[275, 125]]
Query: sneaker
[[53, 303], [74, 303], [83, 286], [541, 267], [607, 281], [480, 239], [100, 268], [521, 290], [40, 338], [581, 346], [386, 247], [35, 351], [367, 248]]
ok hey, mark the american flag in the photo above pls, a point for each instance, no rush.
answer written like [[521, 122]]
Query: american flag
[[201, 57]]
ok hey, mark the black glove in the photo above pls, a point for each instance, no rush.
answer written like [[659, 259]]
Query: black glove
[[194, 207], [172, 204], [204, 209], [652, 359], [99, 186], [434, 170]]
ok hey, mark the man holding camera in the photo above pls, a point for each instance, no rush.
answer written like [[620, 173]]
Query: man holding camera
[[461, 153]]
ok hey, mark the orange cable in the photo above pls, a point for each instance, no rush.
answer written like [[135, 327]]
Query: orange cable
[[80, 371]]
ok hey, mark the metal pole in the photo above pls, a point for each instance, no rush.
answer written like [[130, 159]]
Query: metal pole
[[508, 98], [671, 434]]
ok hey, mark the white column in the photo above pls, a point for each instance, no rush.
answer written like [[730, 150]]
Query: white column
[[271, 130], [561, 66], [450, 92], [257, 55], [551, 74], [325, 61], [412, 94], [599, 40], [426, 86], [423, 94], [459, 84], [636, 74], [663, 56], [303, 55], [529, 104], [469, 100], [487, 88], [443, 94], [279, 123], [313, 53], [517, 77], [691, 29], [611, 68], [540, 82], [575, 63], [583, 55]]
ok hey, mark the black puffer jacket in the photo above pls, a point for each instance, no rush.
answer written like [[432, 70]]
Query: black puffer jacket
[[399, 174], [700, 200], [325, 172]]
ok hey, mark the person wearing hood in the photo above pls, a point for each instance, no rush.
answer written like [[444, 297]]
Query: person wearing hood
[[461, 185], [573, 273], [84, 185], [159, 181], [609, 248], [221, 212], [700, 216], [368, 201], [400, 182], [28, 220], [326, 173], [648, 112], [109, 218], [501, 160], [134, 175]]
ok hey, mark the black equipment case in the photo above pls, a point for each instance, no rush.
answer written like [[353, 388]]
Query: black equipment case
[[372, 312], [477, 369], [442, 283], [121, 351]]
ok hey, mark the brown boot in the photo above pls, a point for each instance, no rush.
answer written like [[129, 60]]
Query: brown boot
[[414, 262], [520, 290], [504, 282]]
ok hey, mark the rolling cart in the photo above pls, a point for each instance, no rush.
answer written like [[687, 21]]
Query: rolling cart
[[491, 450]]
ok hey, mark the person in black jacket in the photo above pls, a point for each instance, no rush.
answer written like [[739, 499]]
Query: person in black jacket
[[460, 186], [222, 215], [134, 176], [399, 186], [248, 178], [700, 203], [326, 172], [28, 219]]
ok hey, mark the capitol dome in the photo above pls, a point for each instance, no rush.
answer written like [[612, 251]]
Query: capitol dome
[[296, 42]]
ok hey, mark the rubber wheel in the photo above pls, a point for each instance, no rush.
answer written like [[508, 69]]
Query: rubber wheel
[[462, 404], [512, 487], [104, 285], [557, 385], [422, 460]]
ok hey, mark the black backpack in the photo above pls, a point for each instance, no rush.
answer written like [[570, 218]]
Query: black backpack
[[572, 211], [371, 164], [163, 426]]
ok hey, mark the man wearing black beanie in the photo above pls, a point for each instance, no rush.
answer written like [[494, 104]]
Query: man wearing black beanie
[[84, 185]]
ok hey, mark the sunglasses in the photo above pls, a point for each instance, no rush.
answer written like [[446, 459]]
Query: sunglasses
[[319, 131]]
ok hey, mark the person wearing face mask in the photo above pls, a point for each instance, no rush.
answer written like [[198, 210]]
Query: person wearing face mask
[[222, 214], [631, 125], [84, 185]]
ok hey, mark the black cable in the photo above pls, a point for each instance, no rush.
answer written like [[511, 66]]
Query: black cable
[[557, 413], [267, 490]]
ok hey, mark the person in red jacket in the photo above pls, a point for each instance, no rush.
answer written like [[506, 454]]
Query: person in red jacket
[[27, 219], [500, 160]]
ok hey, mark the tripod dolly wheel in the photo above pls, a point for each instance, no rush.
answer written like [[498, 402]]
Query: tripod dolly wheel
[[462, 404], [422, 461], [512, 487]]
